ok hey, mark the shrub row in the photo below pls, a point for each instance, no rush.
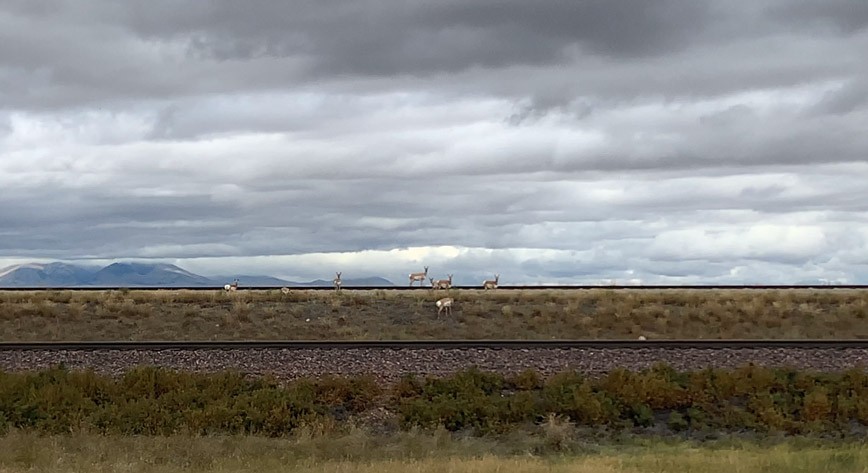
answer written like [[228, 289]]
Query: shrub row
[[160, 402], [750, 398], [155, 401]]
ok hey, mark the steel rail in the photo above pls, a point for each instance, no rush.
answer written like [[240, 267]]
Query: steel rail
[[434, 344], [477, 287]]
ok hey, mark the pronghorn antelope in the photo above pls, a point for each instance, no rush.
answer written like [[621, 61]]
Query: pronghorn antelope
[[284, 290], [491, 284], [441, 283], [419, 277], [231, 287], [445, 304], [337, 282]]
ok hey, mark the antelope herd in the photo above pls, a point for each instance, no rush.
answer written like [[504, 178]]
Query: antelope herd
[[441, 283], [444, 305]]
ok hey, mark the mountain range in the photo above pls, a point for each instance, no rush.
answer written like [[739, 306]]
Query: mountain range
[[144, 274]]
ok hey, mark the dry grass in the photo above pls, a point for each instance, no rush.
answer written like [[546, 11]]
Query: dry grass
[[384, 314], [413, 452]]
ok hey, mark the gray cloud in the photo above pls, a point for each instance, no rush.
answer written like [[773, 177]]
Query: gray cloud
[[107, 53], [833, 16], [851, 97], [385, 38], [587, 141]]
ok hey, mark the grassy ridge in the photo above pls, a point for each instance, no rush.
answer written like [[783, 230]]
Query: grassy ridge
[[414, 452], [383, 314], [157, 402]]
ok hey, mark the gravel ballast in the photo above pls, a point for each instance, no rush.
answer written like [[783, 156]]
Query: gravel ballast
[[390, 364]]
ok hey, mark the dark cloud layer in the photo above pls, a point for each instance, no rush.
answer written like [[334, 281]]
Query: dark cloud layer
[[386, 38], [105, 51], [834, 16]]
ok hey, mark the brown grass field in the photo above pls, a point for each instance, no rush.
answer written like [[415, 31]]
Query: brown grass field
[[414, 452], [396, 315]]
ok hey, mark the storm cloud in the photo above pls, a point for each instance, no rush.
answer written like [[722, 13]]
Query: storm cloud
[[565, 141]]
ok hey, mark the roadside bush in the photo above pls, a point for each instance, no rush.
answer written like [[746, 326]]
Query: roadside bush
[[352, 395], [469, 400], [151, 401], [571, 395]]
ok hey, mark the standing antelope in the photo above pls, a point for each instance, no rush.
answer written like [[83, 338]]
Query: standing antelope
[[445, 304], [441, 283], [491, 284], [231, 287], [419, 277], [337, 282]]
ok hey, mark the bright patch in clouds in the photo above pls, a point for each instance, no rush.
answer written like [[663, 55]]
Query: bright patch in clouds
[[762, 241]]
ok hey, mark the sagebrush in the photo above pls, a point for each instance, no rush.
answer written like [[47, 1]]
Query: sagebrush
[[158, 402]]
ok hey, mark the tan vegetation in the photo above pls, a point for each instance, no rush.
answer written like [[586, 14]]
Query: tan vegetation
[[384, 314], [411, 452]]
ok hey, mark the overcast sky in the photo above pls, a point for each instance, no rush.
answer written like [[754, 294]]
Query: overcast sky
[[561, 141]]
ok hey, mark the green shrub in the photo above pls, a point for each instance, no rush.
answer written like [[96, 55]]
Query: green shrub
[[352, 394], [408, 386], [677, 422], [642, 415], [469, 400], [575, 398], [527, 380], [151, 401]]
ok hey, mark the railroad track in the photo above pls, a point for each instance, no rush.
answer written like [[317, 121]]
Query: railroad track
[[436, 345], [417, 288], [388, 361]]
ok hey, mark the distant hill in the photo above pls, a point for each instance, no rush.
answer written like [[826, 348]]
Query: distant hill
[[249, 280], [144, 274], [368, 281], [141, 274], [46, 275]]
